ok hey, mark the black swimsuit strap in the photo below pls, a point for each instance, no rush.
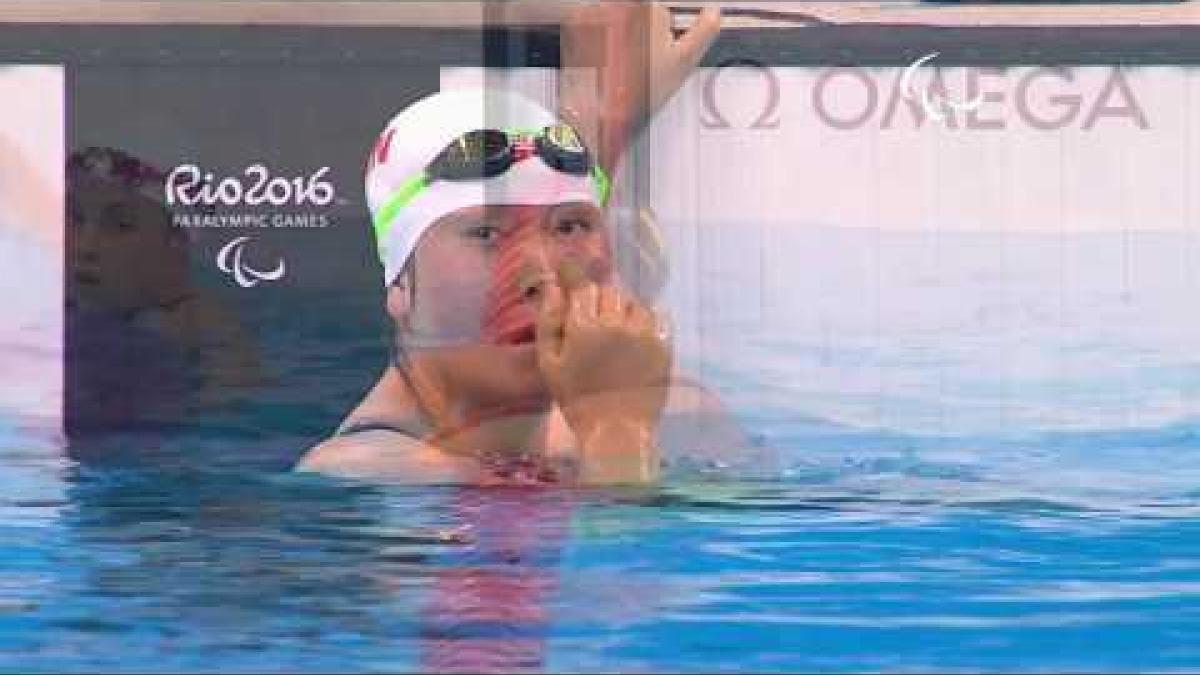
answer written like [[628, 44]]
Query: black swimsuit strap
[[371, 425]]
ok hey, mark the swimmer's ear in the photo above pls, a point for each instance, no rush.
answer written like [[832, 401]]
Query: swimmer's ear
[[399, 301]]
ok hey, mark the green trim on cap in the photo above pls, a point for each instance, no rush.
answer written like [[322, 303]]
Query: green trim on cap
[[602, 186], [401, 197], [413, 186]]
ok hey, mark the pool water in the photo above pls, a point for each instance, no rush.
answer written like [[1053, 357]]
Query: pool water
[[214, 571], [972, 477]]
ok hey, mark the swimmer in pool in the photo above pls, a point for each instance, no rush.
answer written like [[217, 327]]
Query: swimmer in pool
[[525, 348], [145, 343]]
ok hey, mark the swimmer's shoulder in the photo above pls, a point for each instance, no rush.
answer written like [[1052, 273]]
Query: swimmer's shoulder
[[687, 395], [382, 454], [695, 419], [379, 439]]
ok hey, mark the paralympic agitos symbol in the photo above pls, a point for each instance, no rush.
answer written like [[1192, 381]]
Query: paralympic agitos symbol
[[767, 119], [243, 274], [936, 106]]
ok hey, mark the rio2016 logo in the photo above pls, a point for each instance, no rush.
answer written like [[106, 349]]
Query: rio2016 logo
[[188, 185]]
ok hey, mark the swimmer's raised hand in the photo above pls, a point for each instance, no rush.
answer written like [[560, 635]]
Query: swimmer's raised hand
[[622, 62], [607, 362]]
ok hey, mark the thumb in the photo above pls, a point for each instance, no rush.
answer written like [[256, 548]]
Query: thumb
[[699, 37], [571, 276]]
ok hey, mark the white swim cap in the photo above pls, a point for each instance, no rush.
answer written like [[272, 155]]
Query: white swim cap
[[419, 133]]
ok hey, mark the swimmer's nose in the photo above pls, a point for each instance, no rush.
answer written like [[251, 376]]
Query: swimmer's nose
[[535, 265], [528, 262]]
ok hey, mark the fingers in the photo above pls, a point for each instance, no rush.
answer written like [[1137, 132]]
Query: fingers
[[699, 37], [582, 302], [605, 305], [551, 323], [617, 309], [648, 322], [611, 306], [589, 305]]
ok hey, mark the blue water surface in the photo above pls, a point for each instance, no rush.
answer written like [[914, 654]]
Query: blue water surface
[[196, 571]]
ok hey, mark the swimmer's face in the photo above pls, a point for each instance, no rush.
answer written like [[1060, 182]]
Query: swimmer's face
[[478, 277], [124, 253]]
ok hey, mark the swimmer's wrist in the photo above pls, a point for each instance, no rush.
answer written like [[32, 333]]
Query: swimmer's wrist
[[618, 450], [607, 127]]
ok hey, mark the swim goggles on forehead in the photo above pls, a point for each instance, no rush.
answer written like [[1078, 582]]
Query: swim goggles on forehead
[[486, 153]]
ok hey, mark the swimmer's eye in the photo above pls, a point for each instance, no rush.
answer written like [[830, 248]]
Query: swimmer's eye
[[484, 233], [570, 226]]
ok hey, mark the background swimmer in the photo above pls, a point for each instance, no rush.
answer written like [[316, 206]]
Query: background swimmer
[[145, 343]]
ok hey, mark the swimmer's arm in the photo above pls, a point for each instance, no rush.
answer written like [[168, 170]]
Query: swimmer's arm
[[387, 456], [621, 63], [212, 334], [694, 423], [618, 452]]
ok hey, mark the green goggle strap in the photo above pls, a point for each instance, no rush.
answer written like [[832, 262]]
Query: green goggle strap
[[413, 186]]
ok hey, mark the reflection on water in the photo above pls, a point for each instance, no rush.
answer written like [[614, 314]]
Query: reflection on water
[[488, 608]]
